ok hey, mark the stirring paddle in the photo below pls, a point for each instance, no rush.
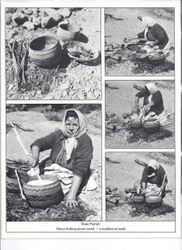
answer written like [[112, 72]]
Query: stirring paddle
[[23, 147]]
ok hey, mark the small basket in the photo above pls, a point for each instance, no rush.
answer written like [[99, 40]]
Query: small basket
[[136, 123], [82, 52], [157, 59], [153, 201], [151, 126], [138, 199]]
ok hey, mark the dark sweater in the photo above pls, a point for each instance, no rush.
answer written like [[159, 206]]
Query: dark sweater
[[156, 32], [81, 156], [158, 179], [157, 99]]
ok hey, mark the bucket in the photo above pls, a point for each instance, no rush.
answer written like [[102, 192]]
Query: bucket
[[42, 194]]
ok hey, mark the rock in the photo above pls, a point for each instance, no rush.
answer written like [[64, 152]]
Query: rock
[[36, 12], [28, 25], [11, 10], [19, 18], [36, 21], [57, 17], [13, 32], [65, 12], [47, 22], [8, 18], [27, 11]]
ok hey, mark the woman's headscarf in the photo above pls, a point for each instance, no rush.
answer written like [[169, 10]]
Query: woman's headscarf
[[153, 164], [152, 87], [81, 129], [147, 21]]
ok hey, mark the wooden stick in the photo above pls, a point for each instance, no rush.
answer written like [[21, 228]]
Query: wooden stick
[[19, 184], [24, 149]]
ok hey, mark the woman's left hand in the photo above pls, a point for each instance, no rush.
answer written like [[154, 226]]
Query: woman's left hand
[[71, 201]]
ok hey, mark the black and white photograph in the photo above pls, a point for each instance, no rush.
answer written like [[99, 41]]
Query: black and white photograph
[[140, 186], [53, 165], [140, 114], [139, 41], [53, 53]]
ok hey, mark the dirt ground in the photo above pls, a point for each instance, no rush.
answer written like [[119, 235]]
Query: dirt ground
[[124, 95], [17, 209], [117, 30], [70, 79], [125, 173]]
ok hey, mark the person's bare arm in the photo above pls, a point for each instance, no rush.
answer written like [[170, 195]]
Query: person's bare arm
[[137, 101], [71, 197], [34, 156]]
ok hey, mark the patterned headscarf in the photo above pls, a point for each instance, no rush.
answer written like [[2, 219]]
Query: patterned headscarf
[[81, 130]]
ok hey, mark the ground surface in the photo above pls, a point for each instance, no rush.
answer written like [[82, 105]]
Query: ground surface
[[124, 174], [123, 95], [117, 30], [17, 209], [70, 80]]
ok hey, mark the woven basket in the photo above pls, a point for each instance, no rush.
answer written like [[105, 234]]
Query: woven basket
[[138, 198], [136, 123], [45, 51], [65, 34], [78, 50], [153, 201], [151, 126], [157, 59], [42, 196]]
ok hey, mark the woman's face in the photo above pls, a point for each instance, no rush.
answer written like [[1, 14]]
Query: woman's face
[[72, 125]]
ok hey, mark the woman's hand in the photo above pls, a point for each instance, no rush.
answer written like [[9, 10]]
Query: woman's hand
[[71, 201], [33, 161]]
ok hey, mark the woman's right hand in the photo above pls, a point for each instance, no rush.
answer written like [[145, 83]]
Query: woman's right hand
[[32, 160]]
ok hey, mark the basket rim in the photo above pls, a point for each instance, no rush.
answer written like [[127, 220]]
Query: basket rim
[[40, 37], [86, 45], [44, 177]]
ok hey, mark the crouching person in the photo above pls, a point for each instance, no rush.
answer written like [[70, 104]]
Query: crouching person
[[70, 157], [154, 180]]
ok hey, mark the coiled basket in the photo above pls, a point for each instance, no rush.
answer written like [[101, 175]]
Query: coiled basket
[[45, 51], [151, 125], [153, 201], [42, 196]]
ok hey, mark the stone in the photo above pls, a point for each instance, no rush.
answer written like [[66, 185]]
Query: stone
[[57, 17], [19, 18], [47, 22], [36, 21], [27, 11], [8, 18], [28, 25], [65, 12], [11, 10]]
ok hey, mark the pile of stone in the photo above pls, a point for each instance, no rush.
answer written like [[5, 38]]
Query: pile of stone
[[33, 18]]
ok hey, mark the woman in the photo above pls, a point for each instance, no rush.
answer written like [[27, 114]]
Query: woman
[[154, 179], [154, 33], [153, 102], [71, 154]]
